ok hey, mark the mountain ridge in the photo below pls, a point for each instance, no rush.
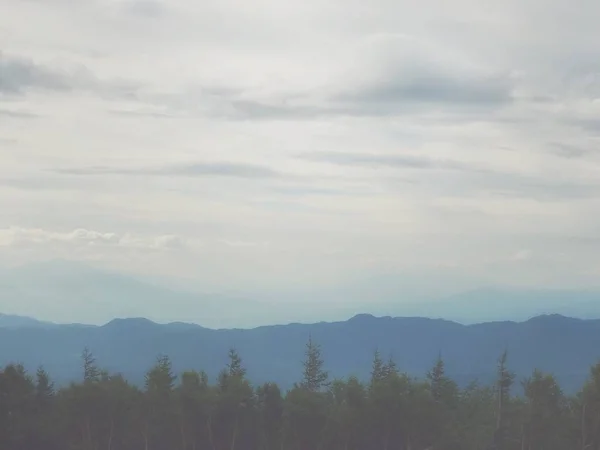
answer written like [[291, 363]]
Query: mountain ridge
[[554, 343], [26, 321]]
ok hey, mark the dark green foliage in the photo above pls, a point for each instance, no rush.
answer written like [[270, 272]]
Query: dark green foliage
[[377, 372], [391, 411], [91, 373], [235, 365], [315, 378], [270, 407]]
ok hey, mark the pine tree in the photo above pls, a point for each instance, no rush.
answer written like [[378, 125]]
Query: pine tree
[[390, 368], [505, 379], [235, 367], [44, 387], [378, 370], [158, 414], [437, 379], [315, 378], [160, 379], [91, 373]]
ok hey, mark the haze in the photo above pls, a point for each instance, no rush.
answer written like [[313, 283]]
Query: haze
[[283, 151]]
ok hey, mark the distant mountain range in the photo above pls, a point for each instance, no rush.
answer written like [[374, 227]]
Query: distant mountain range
[[517, 304], [564, 346], [65, 292]]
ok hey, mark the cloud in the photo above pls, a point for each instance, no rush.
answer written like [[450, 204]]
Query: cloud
[[515, 185], [8, 141], [387, 75], [144, 8], [308, 190], [375, 160], [19, 75], [143, 114], [363, 129], [17, 236], [171, 241], [40, 183], [230, 243], [17, 114], [401, 92], [220, 169], [568, 151], [468, 179], [216, 169], [588, 124], [431, 88], [399, 74], [393, 95], [522, 255], [228, 103], [256, 110]]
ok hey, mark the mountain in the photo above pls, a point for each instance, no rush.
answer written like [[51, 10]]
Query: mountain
[[14, 321], [564, 346], [492, 304], [64, 291]]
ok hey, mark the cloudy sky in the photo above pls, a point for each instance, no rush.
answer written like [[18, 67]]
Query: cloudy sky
[[274, 145]]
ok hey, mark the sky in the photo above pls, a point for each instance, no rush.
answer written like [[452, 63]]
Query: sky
[[273, 146]]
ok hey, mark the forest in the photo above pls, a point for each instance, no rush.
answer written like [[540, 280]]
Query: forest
[[391, 410]]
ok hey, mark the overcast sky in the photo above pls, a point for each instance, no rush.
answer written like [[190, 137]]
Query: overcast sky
[[269, 145]]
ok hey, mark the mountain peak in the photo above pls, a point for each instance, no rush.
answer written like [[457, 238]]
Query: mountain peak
[[553, 318], [363, 318], [15, 321], [132, 322]]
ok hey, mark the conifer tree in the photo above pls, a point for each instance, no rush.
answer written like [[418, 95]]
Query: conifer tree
[[234, 366], [315, 378]]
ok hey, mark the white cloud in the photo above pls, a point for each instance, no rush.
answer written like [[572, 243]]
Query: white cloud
[[522, 255], [16, 236], [230, 243]]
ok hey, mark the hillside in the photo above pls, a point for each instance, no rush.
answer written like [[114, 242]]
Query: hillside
[[565, 346]]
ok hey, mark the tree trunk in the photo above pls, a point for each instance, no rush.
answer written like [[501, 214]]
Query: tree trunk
[[500, 407], [210, 434], [235, 431], [88, 433], [583, 436], [145, 434], [386, 440], [183, 439], [111, 434], [282, 439]]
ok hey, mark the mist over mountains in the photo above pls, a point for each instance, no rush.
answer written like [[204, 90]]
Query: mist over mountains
[[67, 292]]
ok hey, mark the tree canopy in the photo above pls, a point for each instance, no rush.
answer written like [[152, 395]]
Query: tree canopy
[[391, 410]]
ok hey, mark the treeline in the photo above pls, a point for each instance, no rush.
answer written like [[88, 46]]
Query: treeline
[[390, 411]]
